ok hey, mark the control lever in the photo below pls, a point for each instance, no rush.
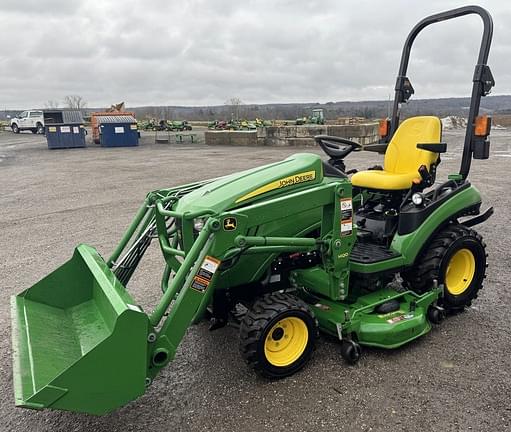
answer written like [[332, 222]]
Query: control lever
[[427, 178]]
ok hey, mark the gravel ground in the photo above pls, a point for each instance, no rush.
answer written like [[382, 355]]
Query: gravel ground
[[457, 378]]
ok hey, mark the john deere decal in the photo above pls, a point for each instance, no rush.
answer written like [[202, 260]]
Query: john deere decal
[[294, 179]]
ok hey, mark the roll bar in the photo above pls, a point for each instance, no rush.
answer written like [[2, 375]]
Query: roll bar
[[482, 81]]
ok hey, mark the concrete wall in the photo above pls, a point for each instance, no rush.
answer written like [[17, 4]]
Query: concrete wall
[[293, 135], [234, 138]]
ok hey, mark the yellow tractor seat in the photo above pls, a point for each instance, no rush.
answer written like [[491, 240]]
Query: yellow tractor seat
[[402, 157]]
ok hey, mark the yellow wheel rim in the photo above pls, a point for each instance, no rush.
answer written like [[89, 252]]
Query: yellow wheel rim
[[460, 272], [286, 341]]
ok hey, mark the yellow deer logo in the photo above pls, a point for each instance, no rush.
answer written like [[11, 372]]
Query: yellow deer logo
[[230, 224]]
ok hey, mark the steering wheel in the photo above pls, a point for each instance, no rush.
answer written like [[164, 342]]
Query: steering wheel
[[331, 146]]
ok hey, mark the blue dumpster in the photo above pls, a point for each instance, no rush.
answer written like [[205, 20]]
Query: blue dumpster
[[118, 131], [64, 129]]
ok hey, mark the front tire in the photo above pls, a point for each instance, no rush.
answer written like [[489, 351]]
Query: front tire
[[455, 258], [278, 335], [15, 128]]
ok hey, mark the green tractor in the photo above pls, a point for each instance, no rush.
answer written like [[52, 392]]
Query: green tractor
[[261, 123], [178, 125], [247, 125], [288, 249], [148, 125], [317, 117]]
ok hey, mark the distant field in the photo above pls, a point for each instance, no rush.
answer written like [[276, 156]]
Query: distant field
[[502, 120]]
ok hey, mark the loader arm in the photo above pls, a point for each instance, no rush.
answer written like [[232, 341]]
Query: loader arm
[[193, 282], [81, 341]]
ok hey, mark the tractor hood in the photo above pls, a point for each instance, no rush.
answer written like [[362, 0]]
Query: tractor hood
[[297, 171]]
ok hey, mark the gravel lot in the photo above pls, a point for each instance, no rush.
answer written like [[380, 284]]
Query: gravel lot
[[457, 378]]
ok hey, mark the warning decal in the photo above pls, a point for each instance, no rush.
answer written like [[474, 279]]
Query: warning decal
[[199, 284], [346, 227], [399, 318], [396, 319], [206, 272], [346, 205], [346, 208]]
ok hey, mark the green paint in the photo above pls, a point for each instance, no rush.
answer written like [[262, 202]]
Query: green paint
[[82, 344], [409, 245], [370, 328], [79, 339]]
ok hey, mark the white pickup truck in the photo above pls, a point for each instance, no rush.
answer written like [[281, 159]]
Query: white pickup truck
[[28, 120]]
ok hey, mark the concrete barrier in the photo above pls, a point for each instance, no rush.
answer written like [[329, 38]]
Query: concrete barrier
[[233, 138], [300, 136]]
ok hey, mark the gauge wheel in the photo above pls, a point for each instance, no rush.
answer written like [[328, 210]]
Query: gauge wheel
[[278, 335], [456, 258], [351, 351]]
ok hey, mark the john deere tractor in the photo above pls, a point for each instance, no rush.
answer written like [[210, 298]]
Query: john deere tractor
[[287, 250]]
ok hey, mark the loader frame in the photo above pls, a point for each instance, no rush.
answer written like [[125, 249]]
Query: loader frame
[[185, 251]]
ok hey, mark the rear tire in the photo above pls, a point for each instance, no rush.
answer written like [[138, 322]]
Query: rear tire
[[39, 129], [456, 258], [278, 335]]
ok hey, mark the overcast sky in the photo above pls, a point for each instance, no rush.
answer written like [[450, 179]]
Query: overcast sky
[[193, 52]]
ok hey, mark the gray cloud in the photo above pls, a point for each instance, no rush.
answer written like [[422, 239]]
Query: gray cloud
[[203, 52]]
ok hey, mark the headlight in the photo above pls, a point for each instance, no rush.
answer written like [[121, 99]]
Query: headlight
[[417, 199], [198, 224]]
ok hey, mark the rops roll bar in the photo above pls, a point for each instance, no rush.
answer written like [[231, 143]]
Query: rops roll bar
[[482, 81]]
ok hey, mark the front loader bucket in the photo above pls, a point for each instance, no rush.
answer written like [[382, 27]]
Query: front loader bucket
[[79, 342]]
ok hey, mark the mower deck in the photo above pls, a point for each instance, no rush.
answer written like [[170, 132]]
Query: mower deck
[[372, 328]]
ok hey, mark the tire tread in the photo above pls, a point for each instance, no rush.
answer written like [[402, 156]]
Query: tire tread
[[427, 268], [256, 321]]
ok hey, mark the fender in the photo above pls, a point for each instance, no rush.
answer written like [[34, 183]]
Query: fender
[[410, 245]]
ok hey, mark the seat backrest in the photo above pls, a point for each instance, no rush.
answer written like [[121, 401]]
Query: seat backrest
[[402, 155]]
